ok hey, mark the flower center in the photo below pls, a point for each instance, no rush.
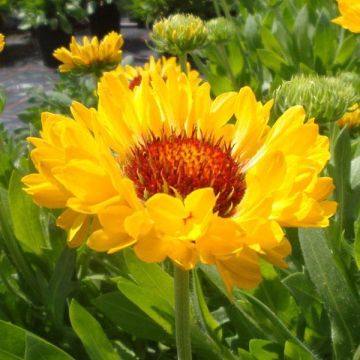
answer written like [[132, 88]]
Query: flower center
[[181, 164], [136, 81]]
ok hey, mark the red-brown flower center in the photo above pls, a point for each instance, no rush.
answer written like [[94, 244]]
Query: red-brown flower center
[[180, 164], [136, 81]]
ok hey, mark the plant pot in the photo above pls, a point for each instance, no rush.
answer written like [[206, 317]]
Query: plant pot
[[49, 40], [106, 18]]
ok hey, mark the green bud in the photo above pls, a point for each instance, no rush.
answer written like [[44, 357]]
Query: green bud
[[323, 98], [179, 34], [351, 78], [220, 30]]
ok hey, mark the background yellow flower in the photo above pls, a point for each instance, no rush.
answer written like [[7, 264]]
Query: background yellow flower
[[2, 42], [92, 54], [350, 15], [351, 118]]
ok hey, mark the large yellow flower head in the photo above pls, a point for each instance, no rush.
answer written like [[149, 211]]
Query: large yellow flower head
[[350, 15], [92, 55], [2, 42], [159, 167]]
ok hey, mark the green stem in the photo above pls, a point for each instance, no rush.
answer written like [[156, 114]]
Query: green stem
[[217, 8], [182, 313], [183, 62]]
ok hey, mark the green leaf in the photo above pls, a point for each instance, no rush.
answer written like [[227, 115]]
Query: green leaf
[[271, 60], [264, 349], [14, 251], [355, 173], [2, 99], [61, 284], [161, 310], [25, 216], [341, 302], [150, 275], [301, 290], [91, 334], [301, 32], [151, 303], [324, 41], [19, 344], [341, 175], [207, 321], [122, 312], [346, 50], [294, 352], [357, 242], [281, 329]]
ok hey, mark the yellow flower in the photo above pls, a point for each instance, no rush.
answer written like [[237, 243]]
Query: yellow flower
[[350, 15], [2, 42], [72, 172], [161, 67], [91, 55], [351, 118], [176, 180]]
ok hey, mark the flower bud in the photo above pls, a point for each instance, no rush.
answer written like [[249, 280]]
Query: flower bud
[[323, 98], [179, 34], [220, 30]]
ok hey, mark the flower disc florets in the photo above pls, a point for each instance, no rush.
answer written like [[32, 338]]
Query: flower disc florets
[[177, 165]]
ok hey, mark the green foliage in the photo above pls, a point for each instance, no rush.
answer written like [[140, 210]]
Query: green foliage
[[60, 303], [17, 343], [69, 87], [55, 13], [276, 40], [147, 11]]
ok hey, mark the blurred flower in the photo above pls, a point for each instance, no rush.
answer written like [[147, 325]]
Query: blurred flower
[[351, 78], [323, 98], [162, 67], [179, 34], [350, 15], [160, 168], [2, 42], [351, 118], [220, 30], [91, 56]]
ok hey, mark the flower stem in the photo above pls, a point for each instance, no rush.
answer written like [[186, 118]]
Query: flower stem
[[182, 313], [183, 62]]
